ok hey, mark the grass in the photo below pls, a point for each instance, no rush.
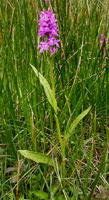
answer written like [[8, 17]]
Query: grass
[[27, 120]]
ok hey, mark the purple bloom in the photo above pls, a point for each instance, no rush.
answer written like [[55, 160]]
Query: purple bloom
[[52, 41], [48, 30], [103, 38], [43, 46]]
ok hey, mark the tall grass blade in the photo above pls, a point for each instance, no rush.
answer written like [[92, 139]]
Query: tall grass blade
[[98, 174]]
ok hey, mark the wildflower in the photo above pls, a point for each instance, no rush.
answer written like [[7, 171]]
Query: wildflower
[[48, 30], [103, 39], [47, 1]]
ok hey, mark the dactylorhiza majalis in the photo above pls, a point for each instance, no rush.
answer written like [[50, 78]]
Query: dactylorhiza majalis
[[48, 31]]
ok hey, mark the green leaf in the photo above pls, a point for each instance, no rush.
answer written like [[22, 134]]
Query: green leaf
[[41, 194], [47, 89], [69, 131], [59, 197], [37, 157], [21, 198]]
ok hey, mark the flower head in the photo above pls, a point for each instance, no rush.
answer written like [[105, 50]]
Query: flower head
[[48, 30]]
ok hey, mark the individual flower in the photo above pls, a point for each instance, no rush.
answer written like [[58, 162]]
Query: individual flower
[[49, 31], [43, 46]]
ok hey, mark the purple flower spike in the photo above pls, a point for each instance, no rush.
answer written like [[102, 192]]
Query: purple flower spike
[[48, 30]]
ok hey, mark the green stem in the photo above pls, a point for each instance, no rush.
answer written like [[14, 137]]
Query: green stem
[[52, 80], [61, 143], [56, 118]]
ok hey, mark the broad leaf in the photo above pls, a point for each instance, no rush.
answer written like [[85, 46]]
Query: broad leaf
[[69, 131], [37, 157], [47, 89]]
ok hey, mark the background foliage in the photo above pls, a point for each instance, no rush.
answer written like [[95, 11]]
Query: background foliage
[[27, 119]]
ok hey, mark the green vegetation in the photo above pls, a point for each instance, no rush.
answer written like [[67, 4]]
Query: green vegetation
[[63, 130]]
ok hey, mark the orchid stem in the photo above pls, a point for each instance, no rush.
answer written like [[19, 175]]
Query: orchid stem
[[57, 120]]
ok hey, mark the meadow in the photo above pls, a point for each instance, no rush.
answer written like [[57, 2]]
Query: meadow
[[54, 110]]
